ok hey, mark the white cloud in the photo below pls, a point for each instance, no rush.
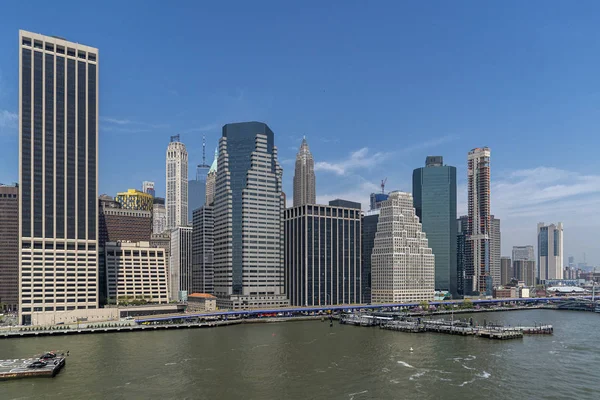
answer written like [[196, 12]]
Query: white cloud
[[359, 193], [361, 158], [118, 125], [8, 122]]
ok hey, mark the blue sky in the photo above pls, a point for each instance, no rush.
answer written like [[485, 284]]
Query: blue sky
[[374, 87]]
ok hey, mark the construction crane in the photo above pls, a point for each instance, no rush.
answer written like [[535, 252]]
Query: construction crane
[[383, 181]]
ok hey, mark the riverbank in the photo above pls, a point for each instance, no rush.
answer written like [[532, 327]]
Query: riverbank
[[107, 328]]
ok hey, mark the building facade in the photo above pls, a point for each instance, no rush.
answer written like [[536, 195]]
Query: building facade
[[376, 199], [323, 255], [197, 191], [9, 248], [524, 270], [478, 277], [180, 263], [434, 191], [369, 229], [148, 187], [304, 177], [462, 227], [523, 253], [159, 216], [495, 246], [402, 263], [550, 251], [136, 271], [249, 244], [211, 180], [203, 250], [133, 199], [506, 270], [58, 177], [176, 203]]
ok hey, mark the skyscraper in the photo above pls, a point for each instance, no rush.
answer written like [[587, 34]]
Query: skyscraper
[[148, 187], [495, 245], [523, 253], [323, 254], [369, 229], [9, 248], [197, 187], [434, 191], [462, 225], [524, 271], [249, 247], [478, 278], [304, 177], [180, 263], [402, 263], [550, 251], [376, 199], [506, 270], [58, 152], [211, 180], [133, 199], [177, 184], [203, 250]]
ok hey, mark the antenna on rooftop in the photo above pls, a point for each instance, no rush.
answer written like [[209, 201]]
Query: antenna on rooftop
[[203, 165]]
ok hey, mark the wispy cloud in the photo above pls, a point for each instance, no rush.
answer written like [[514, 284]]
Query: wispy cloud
[[287, 161], [136, 126], [359, 193], [203, 128], [8, 122], [361, 158], [329, 140], [430, 143]]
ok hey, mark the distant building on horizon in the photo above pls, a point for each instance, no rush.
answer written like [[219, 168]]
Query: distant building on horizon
[[177, 184], [148, 187], [478, 274], [304, 177], [506, 270], [58, 179], [523, 253], [434, 194], [249, 267], [550, 251], [524, 270], [323, 254], [402, 265], [9, 248]]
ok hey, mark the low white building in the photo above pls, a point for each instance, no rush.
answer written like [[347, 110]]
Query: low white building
[[402, 263], [136, 271]]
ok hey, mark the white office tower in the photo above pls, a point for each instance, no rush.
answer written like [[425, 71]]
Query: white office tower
[[177, 184], [550, 251], [402, 263]]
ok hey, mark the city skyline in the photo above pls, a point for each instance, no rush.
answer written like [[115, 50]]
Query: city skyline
[[350, 164]]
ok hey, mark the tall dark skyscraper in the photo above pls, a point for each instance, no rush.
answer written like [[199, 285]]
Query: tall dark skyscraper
[[304, 177], [248, 217], [203, 250], [434, 193], [197, 187], [9, 248], [462, 225], [369, 229], [58, 177], [323, 254]]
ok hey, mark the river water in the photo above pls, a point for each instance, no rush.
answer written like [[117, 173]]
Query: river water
[[310, 360]]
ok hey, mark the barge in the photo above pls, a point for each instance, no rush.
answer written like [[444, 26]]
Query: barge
[[47, 365]]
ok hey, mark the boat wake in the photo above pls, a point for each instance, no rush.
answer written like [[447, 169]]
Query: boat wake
[[407, 365]]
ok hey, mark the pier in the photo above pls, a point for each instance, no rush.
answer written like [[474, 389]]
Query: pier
[[451, 327], [25, 368]]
